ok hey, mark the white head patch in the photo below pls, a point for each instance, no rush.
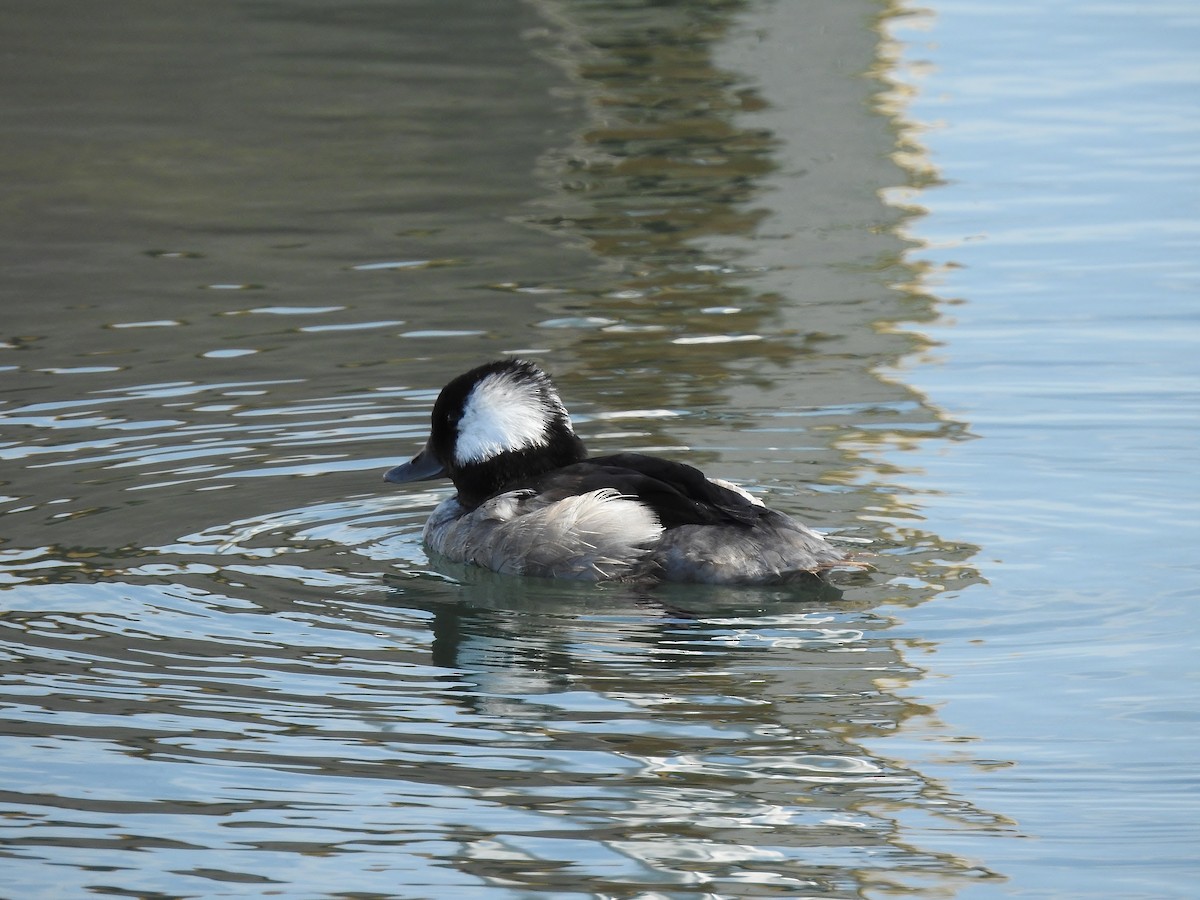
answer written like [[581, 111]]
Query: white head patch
[[504, 412]]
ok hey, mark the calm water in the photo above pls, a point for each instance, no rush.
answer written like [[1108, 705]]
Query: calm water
[[927, 279]]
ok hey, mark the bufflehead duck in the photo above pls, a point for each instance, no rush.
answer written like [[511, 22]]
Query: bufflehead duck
[[532, 502]]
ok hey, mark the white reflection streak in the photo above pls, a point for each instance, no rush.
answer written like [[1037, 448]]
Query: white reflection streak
[[749, 638], [810, 768]]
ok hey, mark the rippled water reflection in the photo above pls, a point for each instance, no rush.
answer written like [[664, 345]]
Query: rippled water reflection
[[559, 737]]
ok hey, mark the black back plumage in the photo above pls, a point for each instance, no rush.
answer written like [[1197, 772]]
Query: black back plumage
[[677, 493]]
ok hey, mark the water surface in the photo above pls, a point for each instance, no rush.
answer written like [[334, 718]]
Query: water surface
[[245, 247]]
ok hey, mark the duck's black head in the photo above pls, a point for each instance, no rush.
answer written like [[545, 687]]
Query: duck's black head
[[499, 424]]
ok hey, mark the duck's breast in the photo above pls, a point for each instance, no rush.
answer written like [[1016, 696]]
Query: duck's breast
[[592, 536]]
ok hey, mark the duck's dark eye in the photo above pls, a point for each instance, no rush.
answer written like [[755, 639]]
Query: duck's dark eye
[[451, 420]]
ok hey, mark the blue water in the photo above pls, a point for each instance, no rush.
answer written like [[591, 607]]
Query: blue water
[[1064, 238], [926, 278]]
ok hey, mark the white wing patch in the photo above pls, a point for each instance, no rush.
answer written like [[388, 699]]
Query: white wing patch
[[598, 535], [504, 413], [729, 485]]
